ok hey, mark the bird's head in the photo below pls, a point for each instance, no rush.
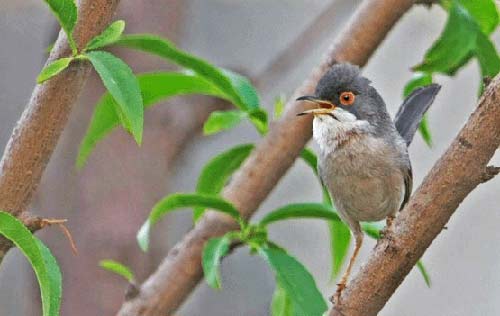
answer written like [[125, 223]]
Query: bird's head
[[345, 101], [343, 95]]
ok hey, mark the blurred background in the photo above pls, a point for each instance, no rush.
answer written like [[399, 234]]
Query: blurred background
[[108, 200]]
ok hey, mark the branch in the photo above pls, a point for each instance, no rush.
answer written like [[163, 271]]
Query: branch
[[164, 291], [453, 177], [42, 122]]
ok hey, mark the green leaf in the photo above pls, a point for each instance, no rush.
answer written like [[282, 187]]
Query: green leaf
[[340, 239], [281, 304], [181, 200], [487, 56], [296, 281], [454, 44], [310, 159], [425, 131], [222, 120], [43, 263], [244, 88], [483, 12], [239, 91], [118, 268], [53, 69], [217, 171], [300, 210], [259, 119], [124, 87], [110, 35], [279, 106], [373, 230], [424, 273], [66, 14], [214, 250], [155, 87], [420, 79], [54, 277]]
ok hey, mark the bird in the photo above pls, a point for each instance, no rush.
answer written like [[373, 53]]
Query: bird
[[363, 156]]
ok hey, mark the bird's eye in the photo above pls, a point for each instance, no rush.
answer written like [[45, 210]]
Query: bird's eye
[[347, 98]]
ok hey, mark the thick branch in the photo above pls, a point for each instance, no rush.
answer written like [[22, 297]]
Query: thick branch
[[37, 132], [164, 291], [453, 177]]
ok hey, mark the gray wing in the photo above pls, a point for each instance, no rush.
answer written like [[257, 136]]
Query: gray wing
[[408, 181], [413, 109]]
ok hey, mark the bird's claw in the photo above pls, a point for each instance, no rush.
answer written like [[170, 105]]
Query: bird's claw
[[388, 225], [335, 299]]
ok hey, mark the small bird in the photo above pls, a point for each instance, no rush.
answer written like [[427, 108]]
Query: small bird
[[363, 157]]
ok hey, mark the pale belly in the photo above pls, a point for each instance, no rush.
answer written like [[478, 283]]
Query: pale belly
[[365, 185]]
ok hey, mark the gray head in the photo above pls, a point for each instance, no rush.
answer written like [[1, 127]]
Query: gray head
[[343, 87]]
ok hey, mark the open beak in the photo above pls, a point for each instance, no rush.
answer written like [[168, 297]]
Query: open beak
[[325, 107]]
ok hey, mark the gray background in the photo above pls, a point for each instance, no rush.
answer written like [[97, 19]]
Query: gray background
[[463, 261]]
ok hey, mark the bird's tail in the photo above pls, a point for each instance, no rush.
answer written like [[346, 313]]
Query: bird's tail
[[413, 109]]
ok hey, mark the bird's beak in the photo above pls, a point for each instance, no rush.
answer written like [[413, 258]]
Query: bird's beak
[[325, 106]]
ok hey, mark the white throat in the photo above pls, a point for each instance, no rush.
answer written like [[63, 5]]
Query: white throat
[[329, 133]]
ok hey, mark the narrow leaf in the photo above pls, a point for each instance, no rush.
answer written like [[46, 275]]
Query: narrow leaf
[[155, 87], [424, 273], [54, 277], [487, 56], [66, 14], [419, 79], [110, 35], [118, 268], [296, 281], [258, 118], [214, 250], [340, 239], [222, 120], [217, 171], [281, 304], [244, 89], [43, 263], [53, 69], [300, 210], [483, 12], [124, 87], [237, 91], [279, 106], [181, 200], [309, 157], [425, 131]]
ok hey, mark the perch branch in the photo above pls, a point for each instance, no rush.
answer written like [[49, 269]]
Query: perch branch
[[42, 122], [164, 291], [461, 169]]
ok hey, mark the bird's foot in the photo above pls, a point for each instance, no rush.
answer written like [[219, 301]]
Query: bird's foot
[[388, 224], [335, 298]]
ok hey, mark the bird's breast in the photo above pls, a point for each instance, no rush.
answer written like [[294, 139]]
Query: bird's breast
[[364, 177]]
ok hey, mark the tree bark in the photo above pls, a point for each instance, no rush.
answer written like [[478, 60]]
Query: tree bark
[[164, 291], [461, 169], [37, 132]]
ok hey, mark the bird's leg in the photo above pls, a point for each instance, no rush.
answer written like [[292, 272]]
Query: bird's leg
[[343, 281]]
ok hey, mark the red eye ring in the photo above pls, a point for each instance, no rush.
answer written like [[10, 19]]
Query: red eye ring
[[347, 98]]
